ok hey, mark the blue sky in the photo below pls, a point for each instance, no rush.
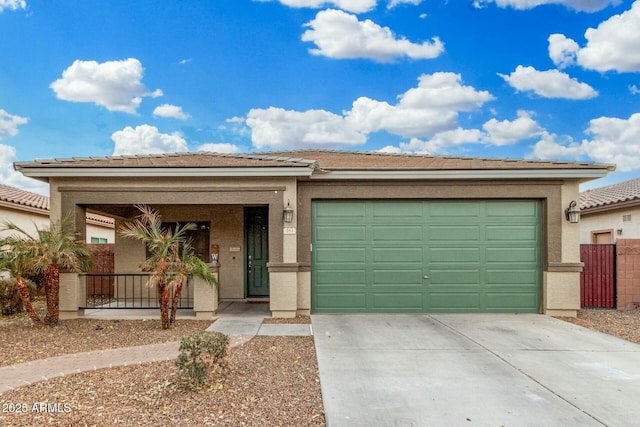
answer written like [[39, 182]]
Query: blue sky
[[556, 79]]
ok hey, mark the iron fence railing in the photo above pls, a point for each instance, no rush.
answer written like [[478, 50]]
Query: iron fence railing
[[127, 291]]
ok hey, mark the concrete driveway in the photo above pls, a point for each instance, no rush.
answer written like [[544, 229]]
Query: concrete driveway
[[473, 370]]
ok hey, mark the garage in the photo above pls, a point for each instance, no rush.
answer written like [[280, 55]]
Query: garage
[[426, 256]]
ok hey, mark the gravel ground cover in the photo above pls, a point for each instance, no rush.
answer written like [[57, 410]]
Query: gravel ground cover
[[624, 324], [270, 381]]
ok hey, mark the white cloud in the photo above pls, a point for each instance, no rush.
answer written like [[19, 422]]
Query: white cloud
[[579, 5], [10, 177], [279, 128], [114, 85], [614, 140], [170, 111], [510, 132], [562, 50], [430, 108], [219, 147], [9, 123], [145, 139], [613, 46], [341, 35], [355, 6], [440, 142], [394, 3], [12, 5], [548, 84]]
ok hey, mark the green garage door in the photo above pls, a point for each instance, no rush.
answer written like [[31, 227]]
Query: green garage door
[[426, 256]]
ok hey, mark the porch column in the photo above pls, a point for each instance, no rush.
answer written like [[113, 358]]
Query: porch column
[[283, 289], [561, 280], [205, 295], [72, 293]]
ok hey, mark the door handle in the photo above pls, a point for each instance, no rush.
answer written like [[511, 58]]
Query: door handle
[[249, 265], [425, 277]]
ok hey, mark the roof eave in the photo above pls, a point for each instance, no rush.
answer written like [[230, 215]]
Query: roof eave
[[455, 174], [43, 172]]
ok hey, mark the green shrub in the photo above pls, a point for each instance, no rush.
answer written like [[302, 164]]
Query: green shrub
[[200, 353], [10, 301]]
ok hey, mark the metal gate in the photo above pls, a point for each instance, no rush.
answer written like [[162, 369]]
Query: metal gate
[[598, 277]]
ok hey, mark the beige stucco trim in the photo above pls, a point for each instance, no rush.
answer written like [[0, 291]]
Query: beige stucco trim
[[587, 174]]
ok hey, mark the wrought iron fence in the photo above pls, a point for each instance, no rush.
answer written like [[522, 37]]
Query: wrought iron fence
[[127, 291]]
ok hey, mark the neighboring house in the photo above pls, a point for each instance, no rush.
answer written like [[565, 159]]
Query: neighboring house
[[610, 213], [30, 210], [346, 232]]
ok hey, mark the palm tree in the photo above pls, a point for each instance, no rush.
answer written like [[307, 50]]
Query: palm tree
[[53, 249], [171, 260]]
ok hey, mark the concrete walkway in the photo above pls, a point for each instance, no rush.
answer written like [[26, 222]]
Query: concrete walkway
[[238, 320]]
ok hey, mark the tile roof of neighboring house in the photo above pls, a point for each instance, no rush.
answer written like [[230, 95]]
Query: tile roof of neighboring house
[[20, 197], [611, 195], [323, 159], [24, 198]]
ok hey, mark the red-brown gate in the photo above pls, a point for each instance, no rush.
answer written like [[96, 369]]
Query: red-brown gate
[[598, 277]]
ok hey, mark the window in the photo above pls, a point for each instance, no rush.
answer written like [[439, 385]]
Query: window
[[199, 237], [100, 240], [626, 218]]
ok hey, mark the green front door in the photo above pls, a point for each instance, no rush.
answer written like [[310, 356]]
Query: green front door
[[256, 220], [426, 256]]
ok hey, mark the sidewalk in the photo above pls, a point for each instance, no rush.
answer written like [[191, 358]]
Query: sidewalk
[[239, 323]]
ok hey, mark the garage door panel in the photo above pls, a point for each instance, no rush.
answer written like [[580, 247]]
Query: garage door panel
[[402, 211], [394, 233], [521, 278], [449, 277], [511, 209], [340, 210], [447, 233], [512, 233], [480, 256], [341, 255], [397, 302], [454, 255], [454, 209], [454, 301], [354, 233], [346, 277], [512, 255], [506, 302], [397, 277], [341, 302], [393, 255]]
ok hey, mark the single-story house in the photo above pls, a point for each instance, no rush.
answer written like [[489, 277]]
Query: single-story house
[[316, 231], [30, 210], [610, 213]]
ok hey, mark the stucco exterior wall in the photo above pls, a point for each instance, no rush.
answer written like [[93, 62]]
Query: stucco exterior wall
[[27, 220], [611, 220], [220, 201]]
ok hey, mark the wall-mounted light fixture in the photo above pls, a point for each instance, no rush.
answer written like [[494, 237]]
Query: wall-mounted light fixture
[[619, 231], [287, 214], [572, 213]]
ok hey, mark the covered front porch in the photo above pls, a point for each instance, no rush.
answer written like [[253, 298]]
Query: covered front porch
[[240, 235]]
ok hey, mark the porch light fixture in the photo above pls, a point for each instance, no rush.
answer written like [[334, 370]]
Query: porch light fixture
[[572, 213], [287, 214]]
